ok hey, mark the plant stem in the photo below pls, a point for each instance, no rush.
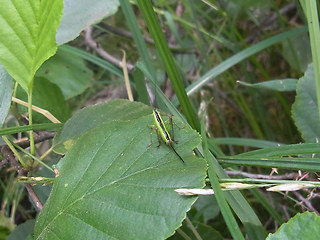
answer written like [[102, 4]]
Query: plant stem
[[32, 149]]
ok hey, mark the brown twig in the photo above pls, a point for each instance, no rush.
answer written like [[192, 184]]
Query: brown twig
[[306, 202], [42, 136], [33, 196], [104, 54]]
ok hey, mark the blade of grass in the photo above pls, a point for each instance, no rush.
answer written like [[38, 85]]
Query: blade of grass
[[286, 150], [304, 164], [138, 78], [137, 36], [168, 61], [221, 199], [240, 56], [241, 207], [311, 12], [141, 46], [267, 181], [173, 28], [43, 126], [248, 142]]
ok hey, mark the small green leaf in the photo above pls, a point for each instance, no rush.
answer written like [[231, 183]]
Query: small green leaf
[[68, 71], [114, 184], [6, 88], [281, 85], [80, 14], [92, 116], [27, 36], [48, 96], [305, 108], [302, 226]]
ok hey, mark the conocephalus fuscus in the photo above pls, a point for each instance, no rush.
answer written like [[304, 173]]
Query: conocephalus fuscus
[[162, 131]]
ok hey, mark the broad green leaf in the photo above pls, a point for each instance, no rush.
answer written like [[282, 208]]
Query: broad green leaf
[[27, 36], [90, 117], [6, 88], [48, 96], [22, 230], [302, 226], [80, 14], [281, 85], [305, 108], [114, 185], [68, 71]]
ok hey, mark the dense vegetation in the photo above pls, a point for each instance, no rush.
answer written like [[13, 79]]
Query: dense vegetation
[[81, 157]]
